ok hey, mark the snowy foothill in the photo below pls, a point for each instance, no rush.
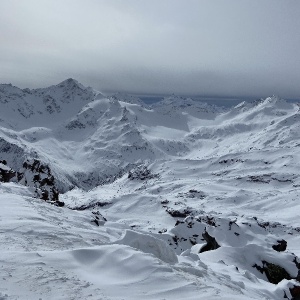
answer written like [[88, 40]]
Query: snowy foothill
[[109, 198]]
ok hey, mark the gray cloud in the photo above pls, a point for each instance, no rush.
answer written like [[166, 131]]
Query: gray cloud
[[221, 47]]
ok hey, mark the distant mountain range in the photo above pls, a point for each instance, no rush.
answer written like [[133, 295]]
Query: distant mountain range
[[201, 196]]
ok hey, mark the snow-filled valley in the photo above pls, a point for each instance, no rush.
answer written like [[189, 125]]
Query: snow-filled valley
[[109, 198]]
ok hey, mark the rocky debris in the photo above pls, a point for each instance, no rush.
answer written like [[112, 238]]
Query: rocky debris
[[211, 243], [230, 161], [183, 213], [274, 273], [184, 235], [164, 202], [34, 174], [265, 178], [51, 105], [232, 222], [265, 224], [75, 124], [280, 246], [91, 205], [273, 227], [179, 209], [268, 178], [283, 179], [125, 115], [141, 173], [97, 218], [192, 194], [211, 221], [6, 173], [262, 224]]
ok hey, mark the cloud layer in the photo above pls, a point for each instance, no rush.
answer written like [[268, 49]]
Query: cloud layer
[[222, 47]]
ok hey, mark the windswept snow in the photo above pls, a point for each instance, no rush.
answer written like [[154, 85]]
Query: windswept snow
[[178, 200]]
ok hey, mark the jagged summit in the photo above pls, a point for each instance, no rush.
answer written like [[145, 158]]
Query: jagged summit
[[44, 106], [271, 101], [70, 83]]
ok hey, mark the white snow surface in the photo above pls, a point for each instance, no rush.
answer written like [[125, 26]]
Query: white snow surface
[[154, 178]]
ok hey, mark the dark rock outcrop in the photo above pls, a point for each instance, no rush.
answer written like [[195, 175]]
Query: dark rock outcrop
[[6, 173], [183, 213], [35, 174], [280, 246], [91, 205], [276, 273], [141, 173], [211, 243], [295, 292], [97, 218]]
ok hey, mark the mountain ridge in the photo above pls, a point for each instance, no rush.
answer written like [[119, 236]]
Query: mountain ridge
[[208, 193]]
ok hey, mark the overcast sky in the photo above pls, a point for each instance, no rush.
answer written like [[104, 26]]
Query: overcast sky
[[203, 47]]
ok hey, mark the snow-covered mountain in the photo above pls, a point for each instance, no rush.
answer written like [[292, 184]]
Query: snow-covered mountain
[[180, 199]]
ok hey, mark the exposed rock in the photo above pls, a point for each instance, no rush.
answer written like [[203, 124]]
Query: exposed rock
[[208, 220], [231, 222], [295, 292], [230, 161], [262, 224], [265, 178], [141, 173], [192, 194], [298, 267], [75, 124], [97, 218], [6, 173], [212, 244], [164, 202], [177, 213], [92, 205], [34, 174], [274, 273], [275, 226], [59, 203], [280, 246]]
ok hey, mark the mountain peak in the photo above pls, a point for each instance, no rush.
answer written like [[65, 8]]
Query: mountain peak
[[71, 83]]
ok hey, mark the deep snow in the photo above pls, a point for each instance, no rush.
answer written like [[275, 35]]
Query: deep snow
[[141, 184]]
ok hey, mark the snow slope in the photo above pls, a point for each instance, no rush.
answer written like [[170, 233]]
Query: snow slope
[[181, 199]]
